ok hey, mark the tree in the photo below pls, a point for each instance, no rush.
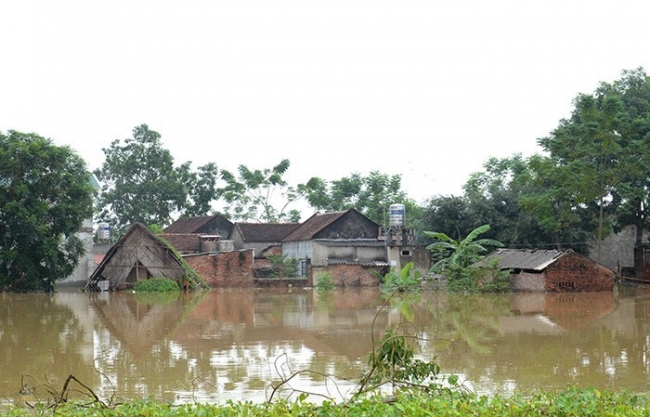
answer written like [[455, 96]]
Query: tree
[[632, 195], [494, 197], [45, 194], [455, 260], [140, 183], [370, 195], [590, 147], [605, 148], [558, 209], [448, 214], [262, 195]]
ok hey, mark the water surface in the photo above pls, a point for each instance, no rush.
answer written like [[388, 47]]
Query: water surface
[[232, 344]]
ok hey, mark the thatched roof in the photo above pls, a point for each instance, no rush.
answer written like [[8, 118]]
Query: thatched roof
[[139, 254]]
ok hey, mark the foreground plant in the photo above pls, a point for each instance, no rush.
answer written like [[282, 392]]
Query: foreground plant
[[404, 279], [574, 402]]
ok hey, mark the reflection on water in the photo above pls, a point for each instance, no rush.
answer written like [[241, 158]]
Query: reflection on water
[[231, 344]]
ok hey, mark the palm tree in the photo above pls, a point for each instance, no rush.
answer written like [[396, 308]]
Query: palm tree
[[455, 257]]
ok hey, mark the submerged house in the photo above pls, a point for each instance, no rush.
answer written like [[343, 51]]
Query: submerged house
[[138, 255], [262, 238], [552, 270], [200, 234], [344, 243], [204, 225]]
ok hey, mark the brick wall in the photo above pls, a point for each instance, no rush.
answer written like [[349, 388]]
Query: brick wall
[[351, 275], [574, 272], [226, 269]]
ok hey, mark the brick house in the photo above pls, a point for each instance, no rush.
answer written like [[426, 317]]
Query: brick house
[[202, 225], [201, 234], [344, 243], [552, 270]]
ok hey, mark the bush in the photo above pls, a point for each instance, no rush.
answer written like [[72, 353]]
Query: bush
[[156, 285], [325, 281], [405, 279]]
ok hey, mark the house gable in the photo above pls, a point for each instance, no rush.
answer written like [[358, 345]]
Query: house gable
[[138, 255], [209, 225], [348, 224]]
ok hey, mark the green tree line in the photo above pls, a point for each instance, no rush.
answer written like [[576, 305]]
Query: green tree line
[[591, 179]]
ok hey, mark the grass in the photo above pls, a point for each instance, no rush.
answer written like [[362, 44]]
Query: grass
[[571, 402]]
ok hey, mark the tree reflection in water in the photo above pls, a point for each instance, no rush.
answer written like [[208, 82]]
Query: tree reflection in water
[[222, 345]]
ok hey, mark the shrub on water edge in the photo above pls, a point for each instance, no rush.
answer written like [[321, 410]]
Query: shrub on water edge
[[325, 281], [156, 285]]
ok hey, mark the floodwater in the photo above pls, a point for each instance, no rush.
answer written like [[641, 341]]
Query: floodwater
[[233, 344]]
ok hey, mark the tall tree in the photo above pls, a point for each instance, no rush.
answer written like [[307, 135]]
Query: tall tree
[[632, 195], [604, 144], [370, 195], [261, 195], [45, 194], [141, 184]]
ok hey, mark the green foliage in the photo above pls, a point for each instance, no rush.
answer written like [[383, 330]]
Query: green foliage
[[325, 281], [283, 267], [574, 402], [393, 361], [370, 195], [45, 194], [156, 285], [141, 185], [253, 194], [406, 279], [455, 260], [484, 279]]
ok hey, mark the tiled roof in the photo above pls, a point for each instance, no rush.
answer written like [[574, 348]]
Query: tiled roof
[[527, 259], [265, 232], [313, 225], [183, 242], [350, 242], [188, 224]]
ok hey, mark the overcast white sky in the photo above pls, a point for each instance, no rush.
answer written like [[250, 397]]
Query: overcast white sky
[[426, 89]]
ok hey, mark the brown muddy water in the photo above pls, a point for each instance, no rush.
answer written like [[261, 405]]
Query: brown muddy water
[[233, 344]]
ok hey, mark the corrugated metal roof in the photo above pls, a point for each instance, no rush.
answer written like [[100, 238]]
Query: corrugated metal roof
[[526, 259]]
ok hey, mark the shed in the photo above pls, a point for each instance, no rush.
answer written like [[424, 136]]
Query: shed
[[552, 270], [138, 255]]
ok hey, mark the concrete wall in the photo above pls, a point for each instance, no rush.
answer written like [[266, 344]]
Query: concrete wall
[[617, 250], [526, 281], [321, 253], [229, 269], [298, 250], [86, 265]]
